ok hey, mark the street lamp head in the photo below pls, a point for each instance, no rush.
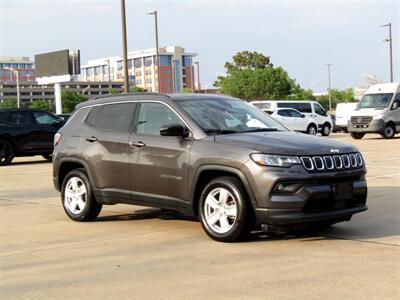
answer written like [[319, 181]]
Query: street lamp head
[[152, 13], [386, 25]]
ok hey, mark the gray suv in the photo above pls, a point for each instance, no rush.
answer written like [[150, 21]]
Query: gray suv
[[213, 156]]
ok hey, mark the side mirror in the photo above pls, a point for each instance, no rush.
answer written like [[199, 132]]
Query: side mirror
[[174, 130], [396, 104], [303, 116], [59, 123]]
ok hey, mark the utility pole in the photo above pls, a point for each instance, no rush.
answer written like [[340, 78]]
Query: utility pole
[[124, 47], [157, 49], [17, 76], [390, 49], [198, 76], [109, 76], [329, 87]]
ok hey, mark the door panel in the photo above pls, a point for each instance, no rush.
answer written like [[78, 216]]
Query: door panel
[[106, 145], [159, 163]]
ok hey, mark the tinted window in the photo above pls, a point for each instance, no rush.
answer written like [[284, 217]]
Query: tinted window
[[92, 116], [21, 118], [116, 117], [283, 113], [319, 110], [44, 118], [293, 113], [303, 107], [152, 116]]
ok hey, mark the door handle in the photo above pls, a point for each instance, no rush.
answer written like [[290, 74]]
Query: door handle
[[137, 144], [92, 139]]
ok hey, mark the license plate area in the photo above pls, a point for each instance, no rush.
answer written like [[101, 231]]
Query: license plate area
[[341, 192]]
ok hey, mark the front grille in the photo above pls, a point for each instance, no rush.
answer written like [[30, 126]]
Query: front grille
[[361, 121], [332, 162]]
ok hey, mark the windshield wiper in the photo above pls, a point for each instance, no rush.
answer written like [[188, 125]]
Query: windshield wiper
[[262, 129], [219, 131]]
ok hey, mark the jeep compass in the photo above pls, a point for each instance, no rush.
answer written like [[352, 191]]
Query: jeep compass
[[216, 157]]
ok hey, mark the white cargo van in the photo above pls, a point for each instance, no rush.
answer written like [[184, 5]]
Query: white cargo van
[[377, 112], [342, 114], [310, 109]]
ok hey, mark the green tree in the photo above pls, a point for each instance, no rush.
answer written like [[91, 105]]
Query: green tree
[[301, 94], [42, 104], [138, 89], [114, 91], [337, 96], [186, 90], [70, 99], [8, 103], [251, 76]]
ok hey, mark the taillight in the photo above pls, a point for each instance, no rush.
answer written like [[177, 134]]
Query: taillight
[[57, 138]]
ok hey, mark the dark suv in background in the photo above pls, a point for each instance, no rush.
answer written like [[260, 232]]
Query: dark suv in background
[[26, 132], [216, 157]]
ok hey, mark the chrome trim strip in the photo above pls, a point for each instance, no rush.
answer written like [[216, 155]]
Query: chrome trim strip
[[331, 161], [316, 164], [359, 159], [353, 158], [341, 163], [346, 166], [309, 160]]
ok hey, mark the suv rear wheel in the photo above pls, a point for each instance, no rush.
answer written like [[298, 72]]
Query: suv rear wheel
[[224, 212], [326, 130], [6, 153], [312, 129], [77, 197]]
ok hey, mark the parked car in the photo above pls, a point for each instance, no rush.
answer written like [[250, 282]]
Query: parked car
[[377, 112], [65, 117], [342, 115], [26, 132], [294, 120], [213, 156], [309, 108]]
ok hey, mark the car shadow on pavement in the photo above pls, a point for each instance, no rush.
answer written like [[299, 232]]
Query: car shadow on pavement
[[34, 162], [380, 221], [149, 213]]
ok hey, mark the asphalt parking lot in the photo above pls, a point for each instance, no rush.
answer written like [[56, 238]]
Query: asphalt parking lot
[[134, 252]]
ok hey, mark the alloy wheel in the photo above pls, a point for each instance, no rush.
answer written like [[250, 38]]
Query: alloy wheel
[[220, 210], [75, 195]]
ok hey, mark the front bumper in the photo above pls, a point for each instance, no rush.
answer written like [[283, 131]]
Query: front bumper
[[319, 203], [375, 126]]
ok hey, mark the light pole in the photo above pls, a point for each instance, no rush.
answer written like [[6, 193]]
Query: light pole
[[109, 76], [17, 75], [124, 47], [390, 49], [198, 75], [329, 86], [157, 49]]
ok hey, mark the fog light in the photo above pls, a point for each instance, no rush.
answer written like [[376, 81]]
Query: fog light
[[285, 188], [280, 187]]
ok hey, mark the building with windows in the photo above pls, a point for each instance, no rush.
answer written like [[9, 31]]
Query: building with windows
[[23, 65], [176, 69]]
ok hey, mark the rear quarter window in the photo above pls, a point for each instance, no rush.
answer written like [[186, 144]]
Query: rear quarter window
[[303, 107]]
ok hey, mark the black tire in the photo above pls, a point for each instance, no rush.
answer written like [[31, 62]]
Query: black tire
[[326, 129], [388, 132], [312, 129], [357, 135], [243, 222], [6, 153], [47, 157], [91, 208]]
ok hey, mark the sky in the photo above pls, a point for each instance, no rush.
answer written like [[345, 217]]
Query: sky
[[300, 36]]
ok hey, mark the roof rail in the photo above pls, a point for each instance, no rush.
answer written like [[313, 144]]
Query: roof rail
[[123, 95]]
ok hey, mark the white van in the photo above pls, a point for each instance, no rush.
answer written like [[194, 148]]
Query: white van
[[310, 109], [377, 112], [343, 113]]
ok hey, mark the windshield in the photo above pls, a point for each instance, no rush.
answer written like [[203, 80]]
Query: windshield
[[375, 100], [224, 116]]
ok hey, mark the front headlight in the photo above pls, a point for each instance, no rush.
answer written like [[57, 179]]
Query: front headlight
[[275, 160]]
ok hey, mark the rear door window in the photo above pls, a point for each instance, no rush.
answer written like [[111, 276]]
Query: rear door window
[[116, 117], [21, 118], [304, 107]]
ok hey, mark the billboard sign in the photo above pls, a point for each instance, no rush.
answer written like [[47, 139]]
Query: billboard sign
[[64, 62]]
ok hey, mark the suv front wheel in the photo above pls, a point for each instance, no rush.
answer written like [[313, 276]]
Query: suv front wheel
[[224, 212], [326, 129], [77, 197]]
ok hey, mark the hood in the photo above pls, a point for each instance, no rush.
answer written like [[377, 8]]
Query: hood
[[285, 143], [368, 112]]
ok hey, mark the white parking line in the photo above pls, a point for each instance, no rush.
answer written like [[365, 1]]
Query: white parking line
[[384, 176]]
